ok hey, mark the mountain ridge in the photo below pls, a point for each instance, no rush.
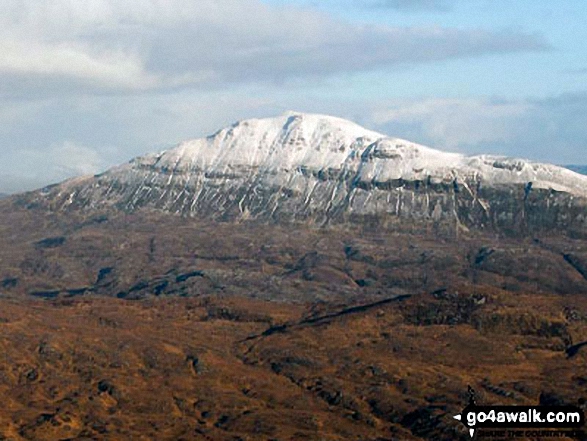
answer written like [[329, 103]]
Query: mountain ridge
[[582, 169], [322, 169], [333, 140]]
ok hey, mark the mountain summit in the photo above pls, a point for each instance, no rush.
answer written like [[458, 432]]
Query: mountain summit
[[317, 168]]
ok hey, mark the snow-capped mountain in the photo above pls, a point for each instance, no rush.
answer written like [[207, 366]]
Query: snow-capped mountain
[[319, 168]]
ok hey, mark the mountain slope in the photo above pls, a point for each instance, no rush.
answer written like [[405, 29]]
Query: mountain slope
[[323, 169]]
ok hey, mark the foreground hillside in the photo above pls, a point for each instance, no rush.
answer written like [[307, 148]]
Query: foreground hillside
[[151, 326], [216, 368], [133, 256]]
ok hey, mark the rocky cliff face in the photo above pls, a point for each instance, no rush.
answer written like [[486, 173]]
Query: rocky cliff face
[[320, 169]]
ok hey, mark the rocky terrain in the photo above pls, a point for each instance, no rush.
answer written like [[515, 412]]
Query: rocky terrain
[[217, 368], [143, 254], [324, 170], [151, 326], [298, 278]]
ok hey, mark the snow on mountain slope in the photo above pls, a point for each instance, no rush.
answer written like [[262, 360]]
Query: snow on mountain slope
[[303, 166], [321, 142]]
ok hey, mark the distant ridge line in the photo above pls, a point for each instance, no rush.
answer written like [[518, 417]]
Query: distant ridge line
[[578, 168]]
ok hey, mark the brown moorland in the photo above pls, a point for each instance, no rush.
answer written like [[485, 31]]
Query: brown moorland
[[150, 326]]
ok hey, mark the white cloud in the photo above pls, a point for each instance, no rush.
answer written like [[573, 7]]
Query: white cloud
[[551, 130], [143, 74], [457, 123], [32, 168], [130, 45], [107, 70], [69, 159]]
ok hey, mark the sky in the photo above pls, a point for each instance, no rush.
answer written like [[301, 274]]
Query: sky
[[88, 84]]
